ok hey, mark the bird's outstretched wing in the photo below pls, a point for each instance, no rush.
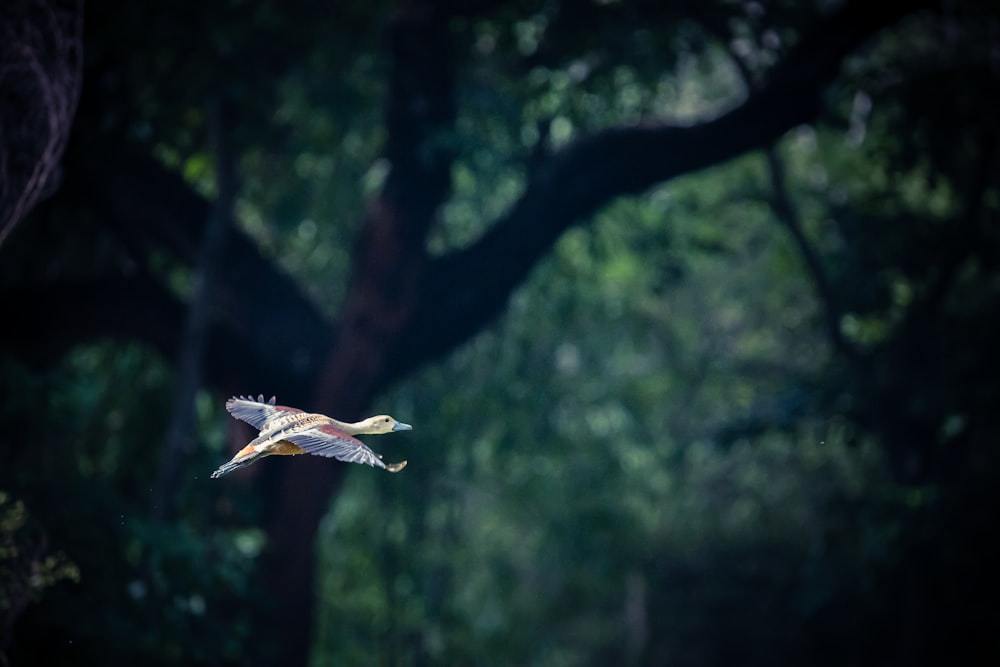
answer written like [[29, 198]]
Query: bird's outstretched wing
[[327, 440], [255, 412]]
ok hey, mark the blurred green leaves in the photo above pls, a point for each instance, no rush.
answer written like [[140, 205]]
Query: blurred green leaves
[[27, 567], [656, 456]]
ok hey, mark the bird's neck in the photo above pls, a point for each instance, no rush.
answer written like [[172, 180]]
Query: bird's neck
[[352, 428]]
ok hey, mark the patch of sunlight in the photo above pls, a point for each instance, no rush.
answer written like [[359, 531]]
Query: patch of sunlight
[[167, 155], [629, 99], [192, 604], [179, 279], [137, 589], [249, 542], [374, 178], [528, 33], [568, 359], [303, 164], [703, 87], [306, 231], [866, 330], [199, 171], [249, 217], [902, 292], [207, 412], [606, 420], [560, 131], [930, 196], [953, 426]]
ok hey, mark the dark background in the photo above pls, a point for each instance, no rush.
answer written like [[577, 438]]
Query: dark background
[[693, 307]]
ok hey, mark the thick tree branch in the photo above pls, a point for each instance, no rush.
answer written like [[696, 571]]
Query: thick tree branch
[[259, 313], [389, 261], [180, 434], [156, 210], [401, 313], [468, 288], [787, 215], [137, 308]]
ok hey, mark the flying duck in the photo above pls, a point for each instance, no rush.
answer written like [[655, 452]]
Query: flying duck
[[288, 431]]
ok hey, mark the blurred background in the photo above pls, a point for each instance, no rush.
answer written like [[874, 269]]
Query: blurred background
[[693, 306]]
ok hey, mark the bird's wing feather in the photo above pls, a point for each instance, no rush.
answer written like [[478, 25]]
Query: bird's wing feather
[[329, 441], [255, 412]]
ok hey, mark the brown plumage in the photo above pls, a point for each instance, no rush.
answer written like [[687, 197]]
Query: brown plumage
[[286, 431]]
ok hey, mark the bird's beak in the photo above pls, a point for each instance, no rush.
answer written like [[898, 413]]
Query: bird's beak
[[400, 426]]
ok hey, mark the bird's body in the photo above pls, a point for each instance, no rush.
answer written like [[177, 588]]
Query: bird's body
[[286, 431]]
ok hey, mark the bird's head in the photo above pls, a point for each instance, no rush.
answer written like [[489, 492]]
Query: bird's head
[[382, 424]]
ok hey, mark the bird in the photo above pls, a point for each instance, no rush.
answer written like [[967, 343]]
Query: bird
[[286, 431]]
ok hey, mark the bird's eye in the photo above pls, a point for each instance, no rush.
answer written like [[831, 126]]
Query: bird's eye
[[386, 420]]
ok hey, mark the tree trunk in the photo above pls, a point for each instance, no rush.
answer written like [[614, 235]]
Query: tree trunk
[[389, 263]]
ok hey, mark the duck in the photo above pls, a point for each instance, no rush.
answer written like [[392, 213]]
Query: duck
[[286, 431]]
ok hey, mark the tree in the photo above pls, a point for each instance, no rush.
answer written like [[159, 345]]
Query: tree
[[404, 307]]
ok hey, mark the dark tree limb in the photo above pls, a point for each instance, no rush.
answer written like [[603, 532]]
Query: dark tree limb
[[62, 316], [389, 261], [470, 287], [145, 202], [403, 311], [788, 216], [278, 333], [180, 434], [786, 213]]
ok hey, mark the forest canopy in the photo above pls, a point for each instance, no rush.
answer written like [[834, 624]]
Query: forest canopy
[[692, 306]]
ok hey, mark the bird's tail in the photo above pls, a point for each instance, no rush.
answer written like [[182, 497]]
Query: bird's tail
[[236, 464]]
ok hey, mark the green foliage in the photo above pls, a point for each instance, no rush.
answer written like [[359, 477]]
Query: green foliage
[[658, 456], [27, 568], [176, 591], [654, 443]]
